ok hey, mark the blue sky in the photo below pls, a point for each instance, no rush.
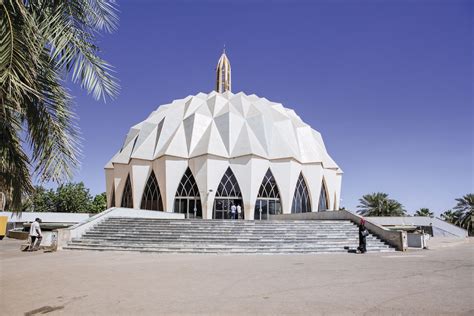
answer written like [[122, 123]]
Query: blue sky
[[387, 83]]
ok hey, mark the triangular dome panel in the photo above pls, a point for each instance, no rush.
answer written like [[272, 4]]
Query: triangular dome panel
[[177, 147], [225, 125]]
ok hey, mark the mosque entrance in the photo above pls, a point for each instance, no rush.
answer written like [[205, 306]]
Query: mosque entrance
[[228, 193], [222, 208], [187, 199], [266, 207], [190, 207], [268, 200]]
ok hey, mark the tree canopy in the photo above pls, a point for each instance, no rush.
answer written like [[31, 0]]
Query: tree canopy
[[424, 212], [43, 44], [378, 204], [67, 198], [464, 212]]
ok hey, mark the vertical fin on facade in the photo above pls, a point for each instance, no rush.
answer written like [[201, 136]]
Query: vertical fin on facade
[[223, 74]]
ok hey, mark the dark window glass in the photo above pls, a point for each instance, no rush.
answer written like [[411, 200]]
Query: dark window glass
[[127, 198], [269, 189], [151, 195], [301, 201], [229, 186], [187, 199], [228, 193], [188, 187], [268, 200], [323, 199], [112, 202]]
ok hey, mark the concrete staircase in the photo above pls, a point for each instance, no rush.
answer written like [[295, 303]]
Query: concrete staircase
[[224, 236]]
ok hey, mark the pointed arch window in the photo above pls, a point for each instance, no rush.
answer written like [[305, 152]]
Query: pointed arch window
[[228, 193], [112, 201], [187, 198], [127, 198], [268, 199], [323, 198], [269, 188], [301, 200], [151, 199], [187, 187], [229, 187]]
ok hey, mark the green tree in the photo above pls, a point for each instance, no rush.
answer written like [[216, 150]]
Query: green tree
[[99, 204], [424, 212], [450, 216], [465, 207], [378, 204], [42, 200], [73, 198], [42, 44]]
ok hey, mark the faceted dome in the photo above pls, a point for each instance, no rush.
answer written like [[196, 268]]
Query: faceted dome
[[226, 125]]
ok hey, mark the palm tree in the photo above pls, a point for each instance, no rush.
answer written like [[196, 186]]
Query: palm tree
[[43, 43], [450, 216], [378, 204], [465, 208], [424, 212]]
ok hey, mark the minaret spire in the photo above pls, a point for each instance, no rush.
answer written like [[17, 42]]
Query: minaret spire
[[223, 74]]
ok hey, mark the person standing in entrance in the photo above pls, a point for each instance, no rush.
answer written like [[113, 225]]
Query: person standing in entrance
[[35, 235], [233, 209], [239, 211]]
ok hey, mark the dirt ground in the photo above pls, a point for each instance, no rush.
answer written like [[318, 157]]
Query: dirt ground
[[439, 281]]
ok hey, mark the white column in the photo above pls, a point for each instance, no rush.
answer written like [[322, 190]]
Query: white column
[[175, 168], [141, 170], [249, 172], [160, 173], [286, 173], [215, 170], [313, 174], [109, 185], [121, 172]]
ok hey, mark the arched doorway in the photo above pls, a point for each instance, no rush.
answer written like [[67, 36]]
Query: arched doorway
[[151, 199], [268, 199], [228, 193], [301, 199], [187, 199]]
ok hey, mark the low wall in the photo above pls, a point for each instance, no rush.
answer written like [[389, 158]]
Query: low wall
[[440, 227], [76, 231], [18, 234], [397, 239], [46, 217]]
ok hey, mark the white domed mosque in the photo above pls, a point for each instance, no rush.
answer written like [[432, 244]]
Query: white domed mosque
[[201, 154]]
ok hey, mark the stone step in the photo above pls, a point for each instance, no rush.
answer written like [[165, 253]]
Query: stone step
[[251, 229], [216, 239], [223, 238], [220, 221], [236, 231], [341, 246], [218, 233], [163, 225], [226, 236], [222, 250]]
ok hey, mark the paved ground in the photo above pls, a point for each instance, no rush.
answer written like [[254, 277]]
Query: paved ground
[[430, 282]]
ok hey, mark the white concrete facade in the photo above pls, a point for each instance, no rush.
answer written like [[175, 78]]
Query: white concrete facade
[[209, 133]]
